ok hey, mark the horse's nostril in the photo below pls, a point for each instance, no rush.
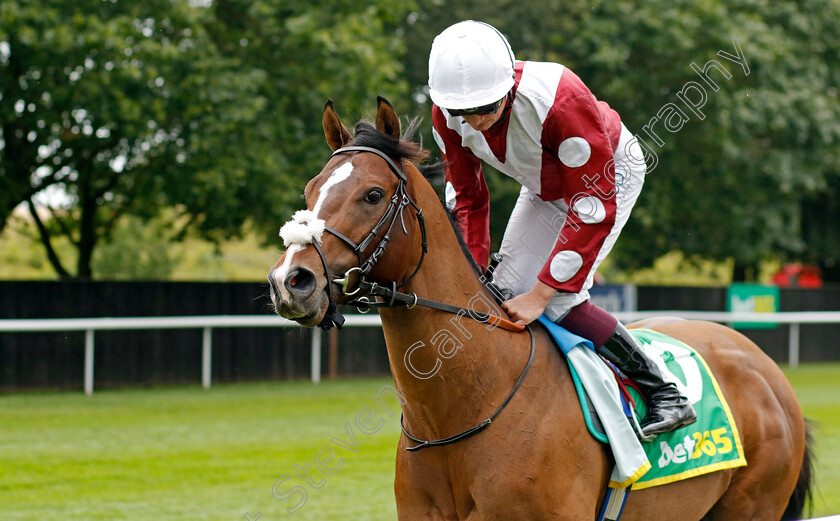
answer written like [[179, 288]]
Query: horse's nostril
[[300, 281]]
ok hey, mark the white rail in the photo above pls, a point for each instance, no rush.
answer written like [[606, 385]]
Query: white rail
[[208, 323], [794, 318]]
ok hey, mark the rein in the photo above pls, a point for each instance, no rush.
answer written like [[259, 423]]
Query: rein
[[392, 297], [422, 444]]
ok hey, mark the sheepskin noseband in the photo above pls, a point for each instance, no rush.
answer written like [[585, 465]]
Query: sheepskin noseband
[[304, 228]]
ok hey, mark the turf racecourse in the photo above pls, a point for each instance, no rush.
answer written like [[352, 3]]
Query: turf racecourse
[[222, 454]]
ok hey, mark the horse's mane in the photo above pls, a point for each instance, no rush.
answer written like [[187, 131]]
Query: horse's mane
[[463, 244], [366, 135]]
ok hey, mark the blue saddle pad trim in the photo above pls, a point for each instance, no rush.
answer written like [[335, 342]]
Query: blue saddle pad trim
[[566, 341]]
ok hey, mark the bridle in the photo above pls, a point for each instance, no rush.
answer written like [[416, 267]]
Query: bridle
[[389, 293], [399, 202], [396, 207], [391, 296]]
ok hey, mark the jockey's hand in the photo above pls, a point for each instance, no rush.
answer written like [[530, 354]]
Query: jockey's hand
[[527, 307]]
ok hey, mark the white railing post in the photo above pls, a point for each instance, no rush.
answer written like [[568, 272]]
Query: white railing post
[[316, 355], [206, 356], [89, 362], [793, 345]]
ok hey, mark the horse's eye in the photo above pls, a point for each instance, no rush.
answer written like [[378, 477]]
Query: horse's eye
[[374, 196]]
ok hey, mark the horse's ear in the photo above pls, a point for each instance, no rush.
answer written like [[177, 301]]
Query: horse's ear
[[336, 133], [386, 118]]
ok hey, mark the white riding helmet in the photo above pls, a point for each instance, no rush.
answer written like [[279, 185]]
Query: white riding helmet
[[471, 65]]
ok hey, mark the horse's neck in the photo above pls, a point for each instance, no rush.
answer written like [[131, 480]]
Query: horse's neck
[[449, 367]]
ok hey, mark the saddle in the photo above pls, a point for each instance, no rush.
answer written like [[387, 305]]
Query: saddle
[[710, 444]]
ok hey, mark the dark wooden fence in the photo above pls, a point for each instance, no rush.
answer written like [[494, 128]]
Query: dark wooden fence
[[55, 360], [818, 342]]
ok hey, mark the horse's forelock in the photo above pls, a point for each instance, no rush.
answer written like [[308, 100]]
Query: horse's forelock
[[367, 135]]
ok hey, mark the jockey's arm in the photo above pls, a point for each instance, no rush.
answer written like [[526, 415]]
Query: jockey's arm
[[467, 197], [575, 134]]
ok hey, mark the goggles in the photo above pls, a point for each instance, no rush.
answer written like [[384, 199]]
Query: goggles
[[477, 111]]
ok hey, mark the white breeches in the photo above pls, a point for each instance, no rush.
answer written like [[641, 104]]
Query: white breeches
[[535, 224]]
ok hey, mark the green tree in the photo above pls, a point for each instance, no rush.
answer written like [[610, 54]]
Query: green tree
[[98, 100], [212, 109], [729, 185], [820, 232], [304, 53], [136, 250]]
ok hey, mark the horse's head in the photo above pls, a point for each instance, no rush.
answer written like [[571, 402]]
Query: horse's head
[[355, 208]]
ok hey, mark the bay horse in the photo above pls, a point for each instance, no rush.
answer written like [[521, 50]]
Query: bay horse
[[370, 209]]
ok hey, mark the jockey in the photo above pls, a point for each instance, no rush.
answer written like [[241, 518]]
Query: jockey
[[581, 171]]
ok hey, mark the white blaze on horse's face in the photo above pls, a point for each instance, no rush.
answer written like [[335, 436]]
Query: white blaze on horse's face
[[304, 228], [339, 174], [280, 273]]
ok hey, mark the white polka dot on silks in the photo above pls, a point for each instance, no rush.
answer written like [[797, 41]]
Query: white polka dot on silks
[[590, 209], [574, 152], [565, 264]]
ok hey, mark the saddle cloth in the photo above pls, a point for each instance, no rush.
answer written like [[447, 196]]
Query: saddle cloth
[[710, 444], [631, 461]]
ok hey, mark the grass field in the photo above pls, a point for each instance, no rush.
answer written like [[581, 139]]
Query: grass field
[[191, 454], [818, 388]]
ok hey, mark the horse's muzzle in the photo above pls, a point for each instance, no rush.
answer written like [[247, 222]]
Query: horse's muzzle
[[295, 295]]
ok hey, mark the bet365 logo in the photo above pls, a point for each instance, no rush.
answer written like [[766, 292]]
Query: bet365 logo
[[710, 443]]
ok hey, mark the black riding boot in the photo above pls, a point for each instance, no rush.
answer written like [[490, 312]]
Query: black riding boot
[[668, 409]]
